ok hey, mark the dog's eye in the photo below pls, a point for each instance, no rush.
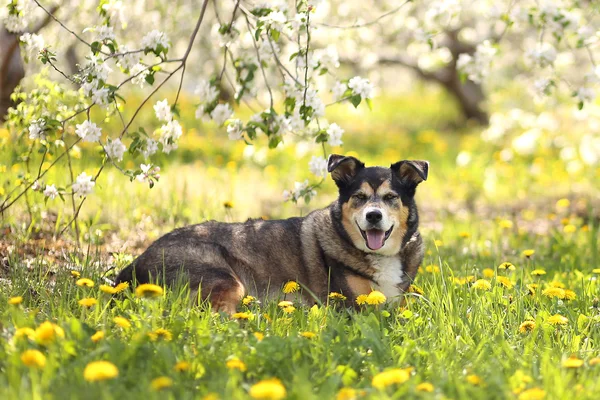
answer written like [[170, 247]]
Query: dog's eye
[[360, 196], [390, 197]]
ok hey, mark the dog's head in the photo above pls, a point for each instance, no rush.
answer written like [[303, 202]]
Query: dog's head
[[375, 202]]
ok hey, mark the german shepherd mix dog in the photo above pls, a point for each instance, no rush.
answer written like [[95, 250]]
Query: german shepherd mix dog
[[367, 239]]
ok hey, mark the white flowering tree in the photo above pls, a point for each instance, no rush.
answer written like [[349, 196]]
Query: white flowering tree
[[279, 59]]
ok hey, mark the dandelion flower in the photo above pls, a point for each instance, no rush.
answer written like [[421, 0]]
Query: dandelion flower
[[563, 203], [505, 223], [572, 362], [424, 387], [390, 377], [596, 271], [507, 265], [538, 272], [337, 296], [482, 284], [285, 303], [160, 383], [25, 332], [475, 380], [268, 389], [346, 394], [15, 300], [211, 396], [532, 394], [228, 205], [415, 289], [122, 322], [570, 228], [361, 299], [75, 274], [98, 336], [100, 371], [558, 319], [47, 332], [554, 292], [236, 363], [570, 295], [308, 335], [148, 290], [33, 358], [464, 235], [594, 361], [121, 286], [242, 315], [432, 269], [289, 309], [291, 287], [88, 302], [531, 287], [556, 284], [161, 333], [182, 366], [527, 326], [488, 273], [375, 298], [504, 281], [107, 289], [85, 282], [259, 336], [248, 300], [438, 243], [528, 253]]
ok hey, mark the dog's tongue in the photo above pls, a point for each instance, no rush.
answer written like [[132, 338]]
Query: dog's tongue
[[375, 239]]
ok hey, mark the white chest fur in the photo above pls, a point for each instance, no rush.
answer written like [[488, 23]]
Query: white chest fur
[[388, 276]]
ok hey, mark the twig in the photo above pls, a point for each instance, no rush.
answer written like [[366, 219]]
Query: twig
[[262, 69], [376, 20]]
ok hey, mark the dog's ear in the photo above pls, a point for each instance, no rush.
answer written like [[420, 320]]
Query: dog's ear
[[411, 171], [343, 169]]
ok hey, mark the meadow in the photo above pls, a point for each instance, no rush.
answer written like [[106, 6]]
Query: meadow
[[505, 304]]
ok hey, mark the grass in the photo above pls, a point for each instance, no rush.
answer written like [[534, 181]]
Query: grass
[[454, 333]]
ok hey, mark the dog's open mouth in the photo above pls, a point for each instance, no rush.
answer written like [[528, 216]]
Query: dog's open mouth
[[375, 238]]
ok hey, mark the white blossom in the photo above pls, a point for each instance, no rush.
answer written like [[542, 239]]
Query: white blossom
[[115, 149], [334, 135], [338, 90], [83, 185], [526, 143], [51, 192], [585, 94], [33, 44], [169, 134], [100, 96], [543, 55], [163, 111], [361, 87], [25, 14], [235, 130], [328, 57], [104, 32], [127, 59], [221, 113], [274, 20], [154, 39], [88, 131], [477, 66], [207, 92], [150, 148], [36, 129], [318, 166], [139, 73]]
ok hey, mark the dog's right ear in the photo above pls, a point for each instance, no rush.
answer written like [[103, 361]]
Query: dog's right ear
[[343, 169]]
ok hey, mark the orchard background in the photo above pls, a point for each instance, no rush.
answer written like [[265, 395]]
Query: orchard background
[[123, 120]]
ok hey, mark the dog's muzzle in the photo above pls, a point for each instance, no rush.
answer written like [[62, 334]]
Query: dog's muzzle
[[375, 238]]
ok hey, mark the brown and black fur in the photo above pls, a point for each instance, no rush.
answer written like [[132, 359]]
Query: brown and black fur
[[225, 262]]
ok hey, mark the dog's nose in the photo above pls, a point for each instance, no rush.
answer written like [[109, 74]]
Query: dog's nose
[[374, 216]]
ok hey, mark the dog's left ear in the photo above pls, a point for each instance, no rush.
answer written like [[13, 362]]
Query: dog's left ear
[[411, 171], [343, 169]]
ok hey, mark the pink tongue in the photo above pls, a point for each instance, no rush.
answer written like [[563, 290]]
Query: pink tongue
[[375, 239]]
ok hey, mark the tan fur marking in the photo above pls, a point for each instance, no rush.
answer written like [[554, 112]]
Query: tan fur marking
[[384, 188], [358, 284], [395, 239], [227, 300]]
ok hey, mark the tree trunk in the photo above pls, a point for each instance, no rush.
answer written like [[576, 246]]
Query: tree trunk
[[11, 69]]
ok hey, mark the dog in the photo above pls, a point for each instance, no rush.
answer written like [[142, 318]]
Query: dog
[[368, 239]]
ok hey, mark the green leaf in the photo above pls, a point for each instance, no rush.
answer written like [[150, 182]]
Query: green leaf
[[96, 46], [275, 34], [355, 100], [150, 79]]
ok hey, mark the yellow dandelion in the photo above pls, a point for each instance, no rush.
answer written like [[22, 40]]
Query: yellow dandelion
[[532, 287], [504, 281], [148, 290], [122, 322], [337, 296], [558, 319], [556, 284], [236, 363], [285, 303], [375, 298], [15, 300], [228, 205], [160, 383], [554, 292], [482, 284], [572, 362], [107, 289], [596, 271], [438, 243], [242, 315], [563, 203], [308, 335], [289, 309], [415, 289], [505, 224], [268, 389], [161, 333], [100, 371], [361, 299], [390, 377], [425, 387], [570, 295], [182, 366], [25, 332], [570, 228], [464, 235], [594, 361], [211, 396], [88, 302], [488, 273], [248, 300], [121, 287], [538, 272], [98, 336], [85, 282], [291, 287], [527, 326], [507, 265], [47, 332], [532, 394], [346, 394], [259, 336], [33, 359], [267, 317], [432, 269], [475, 380], [528, 253], [75, 274]]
